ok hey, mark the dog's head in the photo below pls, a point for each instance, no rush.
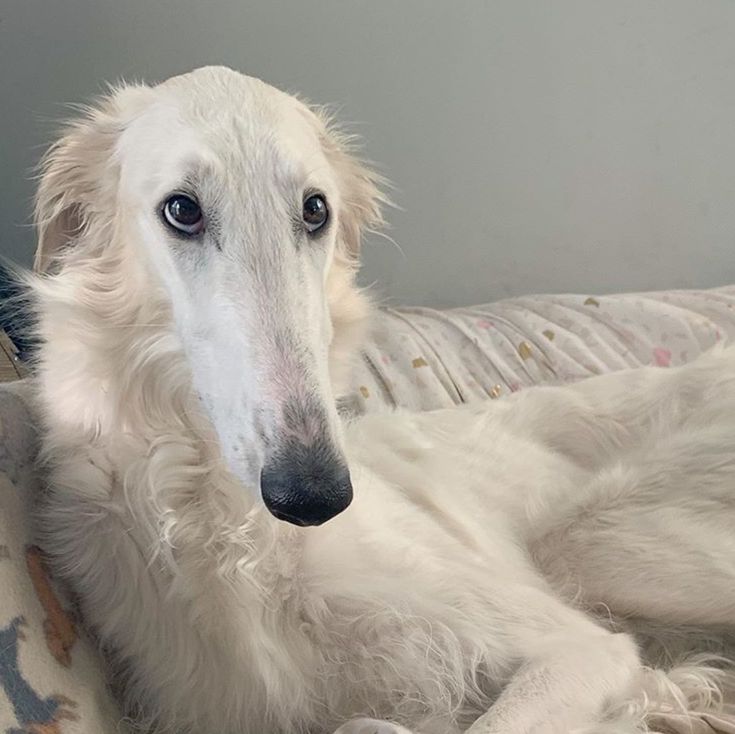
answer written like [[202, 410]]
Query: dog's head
[[240, 209]]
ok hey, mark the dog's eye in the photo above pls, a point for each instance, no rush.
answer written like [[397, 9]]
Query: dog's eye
[[183, 214], [315, 213]]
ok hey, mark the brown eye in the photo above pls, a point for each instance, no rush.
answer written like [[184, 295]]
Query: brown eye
[[315, 213], [183, 214]]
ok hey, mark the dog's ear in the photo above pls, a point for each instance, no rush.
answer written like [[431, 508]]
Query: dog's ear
[[362, 188], [79, 175]]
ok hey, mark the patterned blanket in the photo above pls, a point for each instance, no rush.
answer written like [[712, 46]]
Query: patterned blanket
[[51, 680]]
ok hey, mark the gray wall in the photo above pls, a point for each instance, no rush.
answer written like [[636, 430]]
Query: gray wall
[[535, 146]]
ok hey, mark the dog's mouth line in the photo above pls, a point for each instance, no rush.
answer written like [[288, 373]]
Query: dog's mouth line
[[292, 519]]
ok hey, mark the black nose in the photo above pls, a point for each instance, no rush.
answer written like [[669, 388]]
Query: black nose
[[306, 485]]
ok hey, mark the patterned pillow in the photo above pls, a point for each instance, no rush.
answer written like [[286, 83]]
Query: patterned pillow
[[51, 680]]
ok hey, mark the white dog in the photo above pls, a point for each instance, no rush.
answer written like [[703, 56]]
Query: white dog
[[483, 569]]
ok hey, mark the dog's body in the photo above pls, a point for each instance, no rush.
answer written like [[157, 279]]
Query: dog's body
[[463, 585]]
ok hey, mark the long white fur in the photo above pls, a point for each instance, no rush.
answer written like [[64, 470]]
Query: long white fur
[[496, 560]]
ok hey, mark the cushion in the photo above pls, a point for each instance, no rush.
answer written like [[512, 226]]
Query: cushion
[[422, 358]]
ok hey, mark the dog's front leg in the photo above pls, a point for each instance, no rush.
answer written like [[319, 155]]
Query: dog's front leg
[[571, 674], [371, 726], [571, 677]]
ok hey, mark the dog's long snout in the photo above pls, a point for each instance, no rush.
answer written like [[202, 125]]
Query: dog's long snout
[[306, 485]]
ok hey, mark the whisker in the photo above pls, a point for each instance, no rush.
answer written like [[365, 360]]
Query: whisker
[[383, 235]]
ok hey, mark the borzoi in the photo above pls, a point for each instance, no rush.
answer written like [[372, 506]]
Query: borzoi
[[252, 562]]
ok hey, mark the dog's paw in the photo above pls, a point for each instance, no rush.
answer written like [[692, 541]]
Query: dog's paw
[[371, 726]]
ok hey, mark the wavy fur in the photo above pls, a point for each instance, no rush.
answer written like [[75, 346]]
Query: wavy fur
[[459, 591]]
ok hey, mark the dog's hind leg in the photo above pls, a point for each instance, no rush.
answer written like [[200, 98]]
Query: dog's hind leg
[[654, 552], [599, 418], [655, 534]]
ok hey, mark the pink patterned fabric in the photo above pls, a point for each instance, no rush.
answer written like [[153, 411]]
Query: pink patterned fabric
[[421, 358]]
